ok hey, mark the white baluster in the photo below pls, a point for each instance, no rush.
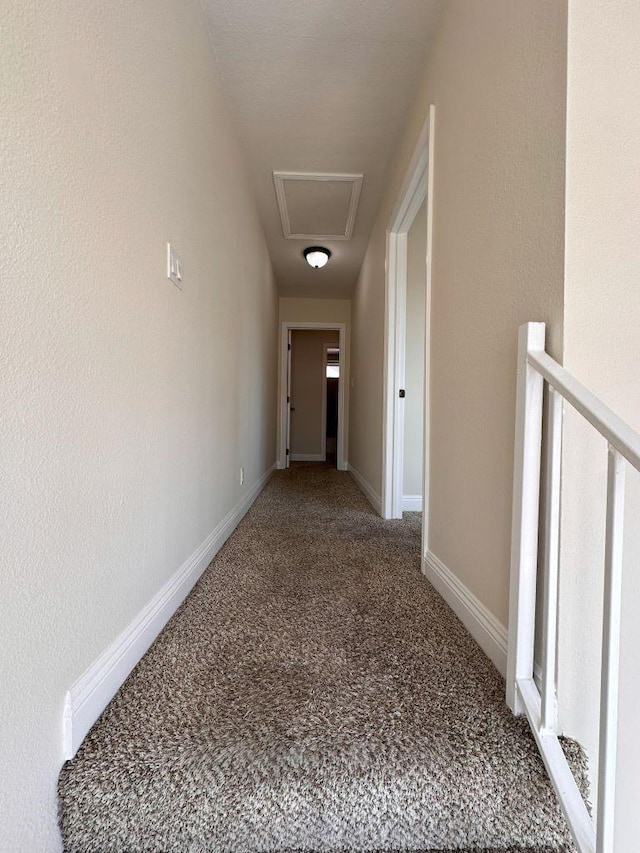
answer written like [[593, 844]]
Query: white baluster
[[610, 651], [550, 607]]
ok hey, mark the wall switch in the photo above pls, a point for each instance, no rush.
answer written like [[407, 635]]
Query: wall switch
[[174, 266], [242, 476]]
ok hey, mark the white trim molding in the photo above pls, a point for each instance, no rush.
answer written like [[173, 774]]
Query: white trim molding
[[369, 492], [412, 503], [92, 692], [279, 180], [488, 632]]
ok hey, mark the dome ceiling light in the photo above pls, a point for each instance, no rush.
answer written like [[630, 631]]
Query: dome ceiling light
[[316, 256]]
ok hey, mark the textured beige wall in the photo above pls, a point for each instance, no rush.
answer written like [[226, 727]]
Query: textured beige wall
[[128, 405], [497, 75], [301, 310], [414, 354], [367, 353], [315, 310], [307, 389], [602, 348]]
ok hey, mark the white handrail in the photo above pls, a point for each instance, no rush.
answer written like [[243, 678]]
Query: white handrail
[[618, 433], [523, 697]]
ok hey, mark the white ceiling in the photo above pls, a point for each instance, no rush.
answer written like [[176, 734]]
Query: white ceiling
[[320, 86]]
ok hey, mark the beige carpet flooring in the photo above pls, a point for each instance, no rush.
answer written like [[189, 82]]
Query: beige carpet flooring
[[313, 693]]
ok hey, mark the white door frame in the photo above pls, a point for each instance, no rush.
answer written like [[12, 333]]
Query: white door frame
[[285, 329], [417, 186]]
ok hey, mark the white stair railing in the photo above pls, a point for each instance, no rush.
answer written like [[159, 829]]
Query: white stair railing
[[535, 367]]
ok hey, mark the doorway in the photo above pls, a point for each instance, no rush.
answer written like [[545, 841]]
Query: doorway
[[405, 464], [414, 365], [309, 393], [312, 394], [331, 380]]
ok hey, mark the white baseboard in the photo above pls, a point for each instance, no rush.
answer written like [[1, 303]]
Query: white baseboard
[[486, 630], [93, 691], [308, 457], [412, 503], [372, 496]]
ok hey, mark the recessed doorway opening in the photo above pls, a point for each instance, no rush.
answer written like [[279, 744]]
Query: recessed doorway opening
[[331, 367], [312, 394], [405, 464]]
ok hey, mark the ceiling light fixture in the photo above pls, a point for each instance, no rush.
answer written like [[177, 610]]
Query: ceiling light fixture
[[316, 256]]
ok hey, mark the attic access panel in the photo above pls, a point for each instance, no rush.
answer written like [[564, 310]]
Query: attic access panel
[[317, 205]]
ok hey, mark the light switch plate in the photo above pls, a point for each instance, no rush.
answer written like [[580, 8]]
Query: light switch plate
[[174, 266]]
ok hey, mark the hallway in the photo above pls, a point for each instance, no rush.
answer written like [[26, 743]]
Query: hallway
[[185, 182], [312, 693]]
